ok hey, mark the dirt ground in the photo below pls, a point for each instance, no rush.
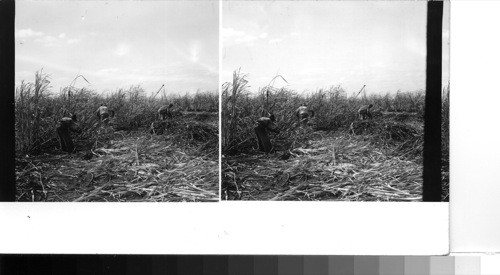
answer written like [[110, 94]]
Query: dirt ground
[[328, 166], [134, 166]]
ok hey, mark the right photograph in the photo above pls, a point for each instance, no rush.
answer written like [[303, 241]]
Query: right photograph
[[335, 101]]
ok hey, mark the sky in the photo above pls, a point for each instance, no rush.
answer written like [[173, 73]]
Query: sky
[[318, 44], [118, 44]]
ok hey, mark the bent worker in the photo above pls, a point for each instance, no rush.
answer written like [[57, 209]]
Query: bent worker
[[165, 111], [303, 113], [103, 113], [64, 126], [265, 124], [364, 112]]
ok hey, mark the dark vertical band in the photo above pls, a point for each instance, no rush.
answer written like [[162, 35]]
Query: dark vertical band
[[432, 128], [7, 90]]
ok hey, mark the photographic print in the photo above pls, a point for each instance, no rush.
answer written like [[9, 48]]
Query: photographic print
[[326, 100], [117, 101]]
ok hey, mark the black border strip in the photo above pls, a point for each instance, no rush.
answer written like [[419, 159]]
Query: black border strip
[[432, 128], [7, 109]]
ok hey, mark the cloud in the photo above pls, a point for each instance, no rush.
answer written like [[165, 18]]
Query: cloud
[[73, 40], [107, 71], [230, 32], [48, 40], [24, 75], [47, 64], [122, 49], [194, 51], [56, 41], [26, 33], [416, 46], [275, 40], [233, 37], [211, 70], [246, 39]]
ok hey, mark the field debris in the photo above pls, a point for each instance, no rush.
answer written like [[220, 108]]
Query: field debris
[[191, 128], [329, 167], [133, 167]]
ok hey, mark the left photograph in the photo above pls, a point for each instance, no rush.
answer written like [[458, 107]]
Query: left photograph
[[117, 101]]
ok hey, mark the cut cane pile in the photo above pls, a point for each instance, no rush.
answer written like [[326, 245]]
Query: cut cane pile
[[378, 160], [195, 128], [134, 166]]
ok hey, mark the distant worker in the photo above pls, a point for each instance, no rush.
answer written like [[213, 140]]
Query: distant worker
[[303, 113], [364, 112], [165, 112], [265, 124], [64, 126], [103, 113]]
